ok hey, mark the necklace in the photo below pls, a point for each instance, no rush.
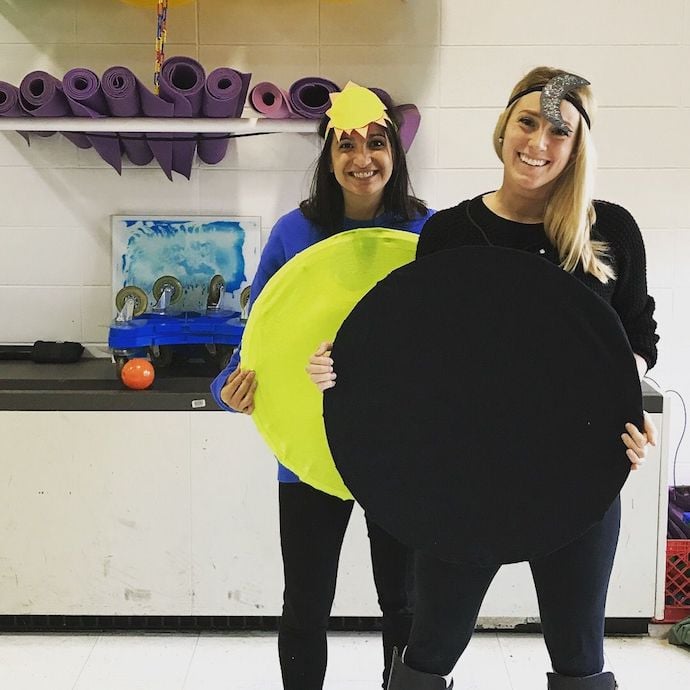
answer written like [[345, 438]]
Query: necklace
[[476, 225], [537, 248]]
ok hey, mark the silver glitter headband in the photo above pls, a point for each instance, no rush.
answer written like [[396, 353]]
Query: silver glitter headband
[[552, 93]]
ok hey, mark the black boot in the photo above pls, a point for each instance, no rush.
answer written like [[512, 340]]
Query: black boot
[[599, 681], [406, 678]]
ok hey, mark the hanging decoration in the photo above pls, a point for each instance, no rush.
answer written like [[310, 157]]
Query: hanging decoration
[[161, 35], [161, 31], [153, 3]]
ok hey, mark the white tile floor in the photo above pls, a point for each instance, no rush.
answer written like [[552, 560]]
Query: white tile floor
[[249, 662]]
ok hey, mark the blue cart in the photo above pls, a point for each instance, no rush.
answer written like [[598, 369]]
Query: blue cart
[[164, 333]]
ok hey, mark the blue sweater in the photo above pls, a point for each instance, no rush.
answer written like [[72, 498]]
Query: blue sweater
[[290, 235]]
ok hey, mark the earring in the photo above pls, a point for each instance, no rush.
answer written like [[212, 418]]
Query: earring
[[500, 140]]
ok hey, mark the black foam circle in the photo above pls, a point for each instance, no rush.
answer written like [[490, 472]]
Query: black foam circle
[[480, 399]]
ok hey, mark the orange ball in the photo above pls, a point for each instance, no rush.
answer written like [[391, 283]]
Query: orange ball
[[138, 373]]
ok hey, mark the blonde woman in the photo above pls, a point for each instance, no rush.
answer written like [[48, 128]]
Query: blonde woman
[[544, 206]]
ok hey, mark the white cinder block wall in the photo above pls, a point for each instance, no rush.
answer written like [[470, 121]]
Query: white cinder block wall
[[457, 59]]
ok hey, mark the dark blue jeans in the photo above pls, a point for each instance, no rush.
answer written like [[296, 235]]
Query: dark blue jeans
[[312, 527], [571, 586]]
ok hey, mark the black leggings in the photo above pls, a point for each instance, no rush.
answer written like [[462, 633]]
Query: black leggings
[[571, 586], [312, 527]]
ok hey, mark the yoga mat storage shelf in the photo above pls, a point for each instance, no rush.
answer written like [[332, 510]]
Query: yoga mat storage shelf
[[195, 125]]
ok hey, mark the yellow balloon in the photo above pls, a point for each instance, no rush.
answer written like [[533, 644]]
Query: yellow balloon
[[302, 305]]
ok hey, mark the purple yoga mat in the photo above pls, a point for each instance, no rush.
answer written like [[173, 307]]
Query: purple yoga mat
[[83, 90], [309, 96], [224, 95], [383, 95], [9, 104], [409, 117], [41, 95], [120, 79], [121, 92], [161, 144], [182, 81], [270, 100], [183, 76], [9, 101]]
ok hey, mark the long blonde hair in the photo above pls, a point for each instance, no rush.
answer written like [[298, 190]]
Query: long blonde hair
[[569, 214]]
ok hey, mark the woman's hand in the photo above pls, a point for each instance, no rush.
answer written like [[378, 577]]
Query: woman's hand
[[238, 391], [636, 441], [320, 367]]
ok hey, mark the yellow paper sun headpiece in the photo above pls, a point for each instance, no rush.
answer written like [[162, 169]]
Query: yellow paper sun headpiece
[[354, 109]]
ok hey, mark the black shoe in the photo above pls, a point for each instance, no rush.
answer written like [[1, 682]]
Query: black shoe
[[405, 678], [599, 681]]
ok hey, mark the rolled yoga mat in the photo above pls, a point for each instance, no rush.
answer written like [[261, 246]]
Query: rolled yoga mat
[[182, 81], [161, 143], [225, 93], [409, 117], [120, 89], [9, 101], [9, 104], [270, 100], [309, 96], [383, 95], [83, 90], [41, 95]]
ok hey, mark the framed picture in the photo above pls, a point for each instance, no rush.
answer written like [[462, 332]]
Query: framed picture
[[190, 248]]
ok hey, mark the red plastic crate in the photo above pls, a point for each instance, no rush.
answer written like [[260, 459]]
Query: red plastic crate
[[677, 591]]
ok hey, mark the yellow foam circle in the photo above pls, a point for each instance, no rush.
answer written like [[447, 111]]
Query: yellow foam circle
[[302, 305]]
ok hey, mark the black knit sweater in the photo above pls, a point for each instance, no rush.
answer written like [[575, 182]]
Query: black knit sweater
[[472, 223]]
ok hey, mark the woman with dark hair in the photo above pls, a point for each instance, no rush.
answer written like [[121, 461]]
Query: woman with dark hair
[[361, 180]]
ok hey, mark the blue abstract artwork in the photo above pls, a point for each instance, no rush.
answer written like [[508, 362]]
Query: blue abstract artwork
[[191, 249]]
